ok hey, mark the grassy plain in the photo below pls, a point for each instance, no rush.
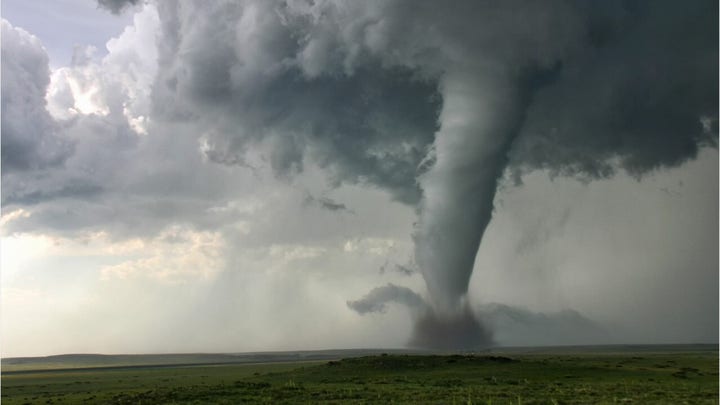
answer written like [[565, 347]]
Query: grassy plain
[[511, 377]]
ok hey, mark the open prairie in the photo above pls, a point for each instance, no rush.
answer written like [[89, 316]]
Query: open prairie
[[580, 375]]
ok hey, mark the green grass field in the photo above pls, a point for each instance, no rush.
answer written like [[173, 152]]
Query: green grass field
[[521, 377]]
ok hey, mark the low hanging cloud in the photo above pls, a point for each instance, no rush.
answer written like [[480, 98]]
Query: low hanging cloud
[[377, 300]]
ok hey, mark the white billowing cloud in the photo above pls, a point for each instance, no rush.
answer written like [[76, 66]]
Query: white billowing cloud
[[30, 138], [122, 80], [98, 109]]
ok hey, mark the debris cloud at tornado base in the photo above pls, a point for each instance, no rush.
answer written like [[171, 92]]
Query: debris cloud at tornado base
[[458, 330]]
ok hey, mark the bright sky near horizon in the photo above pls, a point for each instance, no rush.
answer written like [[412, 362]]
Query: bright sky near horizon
[[153, 201]]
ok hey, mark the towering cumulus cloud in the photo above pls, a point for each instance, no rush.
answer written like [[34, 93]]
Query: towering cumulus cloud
[[435, 101], [29, 134]]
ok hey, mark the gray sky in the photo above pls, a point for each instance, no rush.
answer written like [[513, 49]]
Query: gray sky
[[227, 177]]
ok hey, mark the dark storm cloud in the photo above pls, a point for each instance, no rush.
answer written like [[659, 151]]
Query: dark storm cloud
[[117, 6], [369, 124], [643, 94], [377, 300], [342, 123], [30, 138], [326, 204]]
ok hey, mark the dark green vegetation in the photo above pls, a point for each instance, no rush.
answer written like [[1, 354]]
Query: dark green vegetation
[[510, 377]]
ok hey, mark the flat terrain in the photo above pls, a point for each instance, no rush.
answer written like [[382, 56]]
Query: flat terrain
[[609, 375]]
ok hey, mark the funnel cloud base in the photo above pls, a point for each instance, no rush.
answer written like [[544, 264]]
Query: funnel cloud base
[[457, 331]]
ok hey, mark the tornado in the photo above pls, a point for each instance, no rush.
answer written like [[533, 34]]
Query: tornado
[[480, 117]]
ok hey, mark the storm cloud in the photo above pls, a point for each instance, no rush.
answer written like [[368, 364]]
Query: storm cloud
[[433, 104], [117, 6]]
